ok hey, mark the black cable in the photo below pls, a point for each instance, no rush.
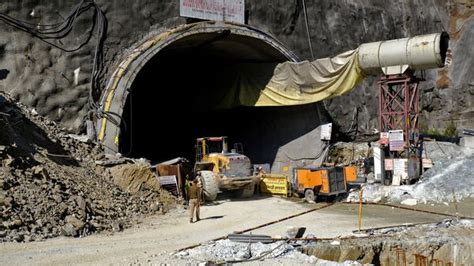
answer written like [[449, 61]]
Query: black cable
[[131, 124], [62, 29], [307, 30]]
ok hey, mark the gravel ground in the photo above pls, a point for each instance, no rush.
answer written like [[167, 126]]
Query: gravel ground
[[153, 241]]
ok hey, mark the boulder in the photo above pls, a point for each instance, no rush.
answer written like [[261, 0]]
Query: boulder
[[75, 222]]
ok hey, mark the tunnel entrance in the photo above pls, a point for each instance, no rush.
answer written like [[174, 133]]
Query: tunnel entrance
[[181, 93], [172, 102]]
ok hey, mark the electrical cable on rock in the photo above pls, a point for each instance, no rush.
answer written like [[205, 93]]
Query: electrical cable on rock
[[59, 30]]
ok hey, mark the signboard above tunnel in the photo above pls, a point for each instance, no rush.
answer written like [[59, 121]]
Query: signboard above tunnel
[[218, 10]]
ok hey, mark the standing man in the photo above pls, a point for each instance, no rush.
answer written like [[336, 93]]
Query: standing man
[[194, 194], [260, 173]]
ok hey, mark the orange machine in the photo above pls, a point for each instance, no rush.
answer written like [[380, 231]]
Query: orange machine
[[325, 181], [350, 172]]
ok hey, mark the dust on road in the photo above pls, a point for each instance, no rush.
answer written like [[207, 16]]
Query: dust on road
[[158, 236]]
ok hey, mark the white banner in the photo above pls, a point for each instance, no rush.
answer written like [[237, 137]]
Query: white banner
[[218, 10], [167, 180], [400, 168]]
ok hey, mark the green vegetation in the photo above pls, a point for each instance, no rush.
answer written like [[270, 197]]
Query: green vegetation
[[433, 131], [451, 130]]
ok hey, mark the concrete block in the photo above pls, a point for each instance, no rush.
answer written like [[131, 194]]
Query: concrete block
[[467, 141]]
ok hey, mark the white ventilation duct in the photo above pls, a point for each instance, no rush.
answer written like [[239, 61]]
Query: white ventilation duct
[[396, 56]]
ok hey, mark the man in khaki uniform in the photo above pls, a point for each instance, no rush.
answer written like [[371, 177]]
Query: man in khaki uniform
[[194, 194], [260, 173]]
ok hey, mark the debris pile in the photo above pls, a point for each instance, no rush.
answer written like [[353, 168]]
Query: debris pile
[[448, 240], [133, 178], [439, 151], [281, 252], [448, 181], [223, 251], [52, 186]]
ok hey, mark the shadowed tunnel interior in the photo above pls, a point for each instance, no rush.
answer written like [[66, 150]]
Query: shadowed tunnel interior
[[177, 97]]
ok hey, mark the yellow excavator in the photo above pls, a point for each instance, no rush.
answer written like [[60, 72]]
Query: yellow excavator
[[221, 170]]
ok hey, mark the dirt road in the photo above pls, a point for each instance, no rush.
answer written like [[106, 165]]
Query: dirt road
[[157, 237]]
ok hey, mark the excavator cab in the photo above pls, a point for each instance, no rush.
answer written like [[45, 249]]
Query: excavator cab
[[209, 152], [223, 170], [207, 145], [213, 150]]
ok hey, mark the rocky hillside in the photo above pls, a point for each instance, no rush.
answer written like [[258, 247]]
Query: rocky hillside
[[43, 77]]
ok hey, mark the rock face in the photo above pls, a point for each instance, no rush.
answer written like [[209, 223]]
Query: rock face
[[43, 77]]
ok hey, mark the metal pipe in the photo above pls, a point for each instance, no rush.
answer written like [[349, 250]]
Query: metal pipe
[[396, 56], [260, 226], [410, 209], [323, 239], [390, 227], [284, 219]]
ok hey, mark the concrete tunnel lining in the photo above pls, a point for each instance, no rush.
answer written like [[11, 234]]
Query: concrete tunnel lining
[[228, 43], [115, 94]]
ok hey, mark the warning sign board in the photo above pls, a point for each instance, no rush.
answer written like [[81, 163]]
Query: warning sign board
[[218, 10], [274, 185], [396, 140]]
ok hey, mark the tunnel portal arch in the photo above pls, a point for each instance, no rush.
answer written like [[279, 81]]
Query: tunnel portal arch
[[250, 41]]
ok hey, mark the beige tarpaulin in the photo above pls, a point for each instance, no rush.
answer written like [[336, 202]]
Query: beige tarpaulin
[[288, 83], [309, 82], [264, 84]]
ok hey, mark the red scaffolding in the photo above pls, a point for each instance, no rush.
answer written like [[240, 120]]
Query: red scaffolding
[[399, 106]]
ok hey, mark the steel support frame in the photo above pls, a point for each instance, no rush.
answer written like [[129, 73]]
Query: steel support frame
[[399, 106]]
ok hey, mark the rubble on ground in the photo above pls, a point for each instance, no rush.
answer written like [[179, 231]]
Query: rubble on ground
[[134, 177], [52, 186], [448, 240], [226, 250], [451, 179], [448, 181], [280, 252], [439, 151]]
